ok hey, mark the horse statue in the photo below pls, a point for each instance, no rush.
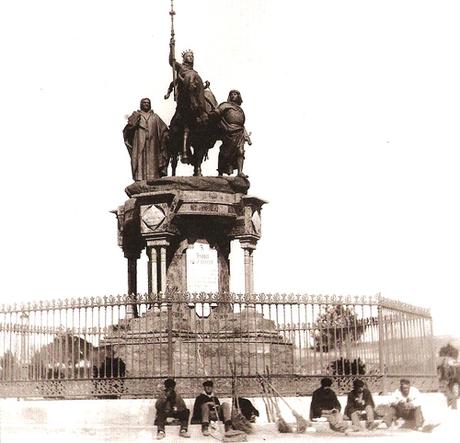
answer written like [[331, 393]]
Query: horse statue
[[194, 125], [194, 128]]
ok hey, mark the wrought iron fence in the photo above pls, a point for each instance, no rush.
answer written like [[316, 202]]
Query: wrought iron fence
[[126, 345]]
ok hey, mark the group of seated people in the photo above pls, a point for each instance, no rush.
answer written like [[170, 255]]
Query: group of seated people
[[404, 403], [207, 407]]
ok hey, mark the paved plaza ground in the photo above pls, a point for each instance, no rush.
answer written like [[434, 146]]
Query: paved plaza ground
[[434, 412]]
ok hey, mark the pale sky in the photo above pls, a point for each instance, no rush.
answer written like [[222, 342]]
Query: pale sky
[[354, 109]]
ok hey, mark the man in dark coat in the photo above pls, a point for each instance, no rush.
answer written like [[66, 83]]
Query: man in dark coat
[[171, 404], [360, 404], [324, 403], [208, 407]]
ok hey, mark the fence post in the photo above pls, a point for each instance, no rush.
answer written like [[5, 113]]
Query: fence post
[[24, 328], [433, 356], [170, 341], [381, 349]]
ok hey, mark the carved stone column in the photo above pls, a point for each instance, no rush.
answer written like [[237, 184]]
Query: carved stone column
[[157, 267], [152, 273], [132, 257], [132, 275], [248, 248], [248, 271], [163, 269]]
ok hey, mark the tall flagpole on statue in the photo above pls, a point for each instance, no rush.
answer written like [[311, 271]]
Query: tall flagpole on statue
[[172, 13]]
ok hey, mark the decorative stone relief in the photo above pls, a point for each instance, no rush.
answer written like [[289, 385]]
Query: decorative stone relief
[[151, 217], [256, 222]]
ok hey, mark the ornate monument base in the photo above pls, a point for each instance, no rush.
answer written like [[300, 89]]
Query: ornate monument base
[[186, 224], [170, 217]]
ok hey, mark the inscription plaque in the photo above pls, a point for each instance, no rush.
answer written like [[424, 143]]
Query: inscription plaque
[[202, 268]]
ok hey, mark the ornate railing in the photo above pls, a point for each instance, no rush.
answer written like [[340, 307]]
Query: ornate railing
[[126, 345]]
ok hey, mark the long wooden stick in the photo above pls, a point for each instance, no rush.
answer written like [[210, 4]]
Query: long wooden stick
[[280, 396], [272, 395], [302, 424], [267, 402], [172, 13]]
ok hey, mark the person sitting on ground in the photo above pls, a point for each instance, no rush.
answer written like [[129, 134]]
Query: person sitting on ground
[[208, 407], [247, 409], [452, 384], [405, 403], [449, 381], [324, 403], [360, 404], [171, 404]]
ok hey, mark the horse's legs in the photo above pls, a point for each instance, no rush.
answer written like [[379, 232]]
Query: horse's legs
[[198, 156], [185, 153], [173, 164], [221, 167]]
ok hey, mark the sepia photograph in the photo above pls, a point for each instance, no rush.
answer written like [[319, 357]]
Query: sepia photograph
[[232, 220]]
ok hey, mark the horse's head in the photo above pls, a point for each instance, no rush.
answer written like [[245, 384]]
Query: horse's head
[[211, 102]]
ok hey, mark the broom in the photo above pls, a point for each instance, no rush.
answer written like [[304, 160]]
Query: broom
[[281, 423], [267, 403], [302, 424], [239, 421]]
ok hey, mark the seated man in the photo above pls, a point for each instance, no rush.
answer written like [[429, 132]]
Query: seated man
[[207, 407], [324, 403], [453, 381], [247, 409], [405, 403], [171, 404], [360, 404]]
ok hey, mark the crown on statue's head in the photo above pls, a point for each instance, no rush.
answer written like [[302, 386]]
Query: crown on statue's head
[[187, 51]]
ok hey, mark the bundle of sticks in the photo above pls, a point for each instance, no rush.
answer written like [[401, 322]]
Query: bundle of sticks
[[270, 397], [239, 421]]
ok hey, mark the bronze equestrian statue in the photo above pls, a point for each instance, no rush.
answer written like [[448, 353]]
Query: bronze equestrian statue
[[191, 125]]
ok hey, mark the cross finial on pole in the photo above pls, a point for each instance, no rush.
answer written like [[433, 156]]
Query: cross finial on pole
[[172, 13], [172, 57]]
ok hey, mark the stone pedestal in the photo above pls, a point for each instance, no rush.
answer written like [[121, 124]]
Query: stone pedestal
[[183, 345], [171, 214], [185, 225]]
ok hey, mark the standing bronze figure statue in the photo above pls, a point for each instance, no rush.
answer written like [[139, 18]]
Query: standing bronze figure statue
[[233, 135], [145, 136]]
